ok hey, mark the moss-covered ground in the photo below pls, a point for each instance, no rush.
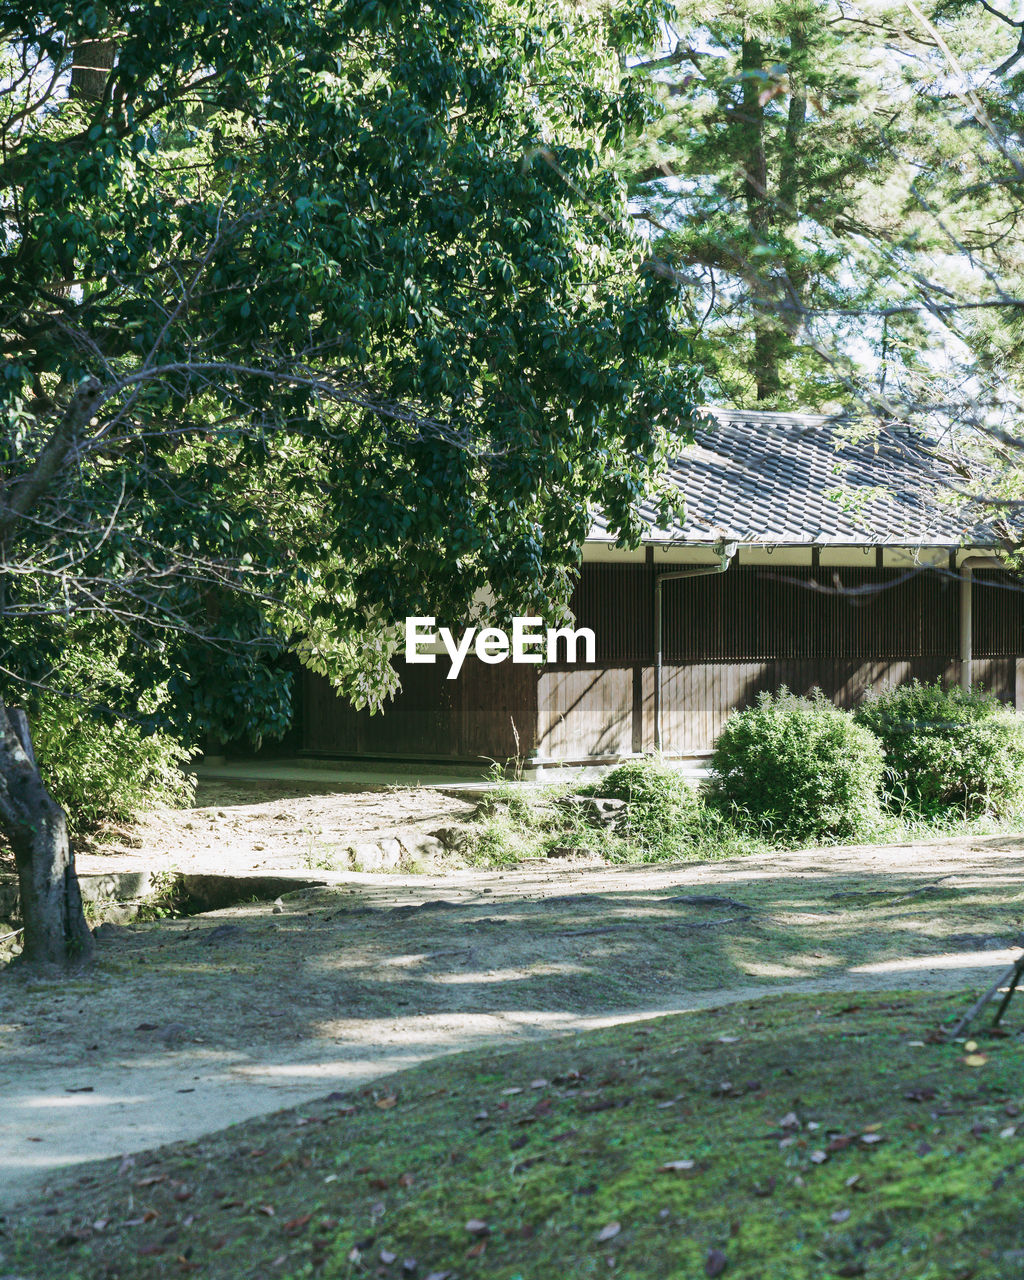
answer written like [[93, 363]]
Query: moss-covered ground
[[787, 1139]]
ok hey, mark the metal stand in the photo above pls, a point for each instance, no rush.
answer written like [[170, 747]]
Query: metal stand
[[1010, 979]]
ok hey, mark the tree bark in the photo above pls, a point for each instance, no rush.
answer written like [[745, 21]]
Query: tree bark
[[760, 216], [91, 66], [56, 934]]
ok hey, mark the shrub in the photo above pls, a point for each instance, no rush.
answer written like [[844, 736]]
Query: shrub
[[797, 769], [99, 764], [661, 810], [103, 770], [947, 748]]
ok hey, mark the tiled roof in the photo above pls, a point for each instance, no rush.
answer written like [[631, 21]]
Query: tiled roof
[[774, 478]]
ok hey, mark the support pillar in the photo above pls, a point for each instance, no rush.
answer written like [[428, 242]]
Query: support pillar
[[966, 638]]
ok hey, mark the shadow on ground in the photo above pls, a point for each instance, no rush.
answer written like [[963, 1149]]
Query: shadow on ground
[[186, 1025]]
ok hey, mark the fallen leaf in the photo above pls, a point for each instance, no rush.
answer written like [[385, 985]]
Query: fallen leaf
[[439, 1275], [1008, 1132], [789, 1121], [678, 1166], [766, 1189], [714, 1263], [477, 1227], [869, 1139], [840, 1143], [387, 1257], [294, 1225], [819, 1157], [539, 1084], [840, 1215], [386, 1103], [151, 1182], [975, 1059], [507, 1093], [474, 1251], [267, 1210], [609, 1232], [405, 1179], [409, 1266]]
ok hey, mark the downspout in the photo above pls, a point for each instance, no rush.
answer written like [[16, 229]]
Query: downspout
[[725, 552]]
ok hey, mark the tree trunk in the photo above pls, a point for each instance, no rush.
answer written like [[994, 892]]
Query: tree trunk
[[761, 215], [56, 934], [91, 66]]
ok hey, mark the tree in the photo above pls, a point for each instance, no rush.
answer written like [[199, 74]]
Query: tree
[[776, 182], [327, 309]]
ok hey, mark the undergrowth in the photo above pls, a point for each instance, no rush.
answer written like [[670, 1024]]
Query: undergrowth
[[657, 817], [665, 818]]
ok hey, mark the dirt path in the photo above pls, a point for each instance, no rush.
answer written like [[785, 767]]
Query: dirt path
[[188, 1025]]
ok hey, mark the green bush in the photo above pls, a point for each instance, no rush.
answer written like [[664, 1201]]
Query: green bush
[[101, 770], [661, 811], [945, 748], [99, 763], [797, 770]]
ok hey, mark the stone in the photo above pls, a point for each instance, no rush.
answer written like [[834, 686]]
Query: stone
[[366, 856]]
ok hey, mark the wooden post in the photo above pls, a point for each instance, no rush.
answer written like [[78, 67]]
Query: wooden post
[[966, 609]]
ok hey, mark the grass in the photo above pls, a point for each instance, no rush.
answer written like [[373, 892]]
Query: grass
[[516, 824], [805, 1138]]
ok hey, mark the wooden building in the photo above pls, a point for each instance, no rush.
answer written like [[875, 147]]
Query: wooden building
[[802, 560]]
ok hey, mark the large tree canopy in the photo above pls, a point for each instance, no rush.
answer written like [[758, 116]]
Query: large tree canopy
[[327, 310], [836, 189]]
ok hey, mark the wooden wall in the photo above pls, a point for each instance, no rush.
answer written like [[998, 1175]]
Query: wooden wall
[[468, 718], [727, 637], [697, 697]]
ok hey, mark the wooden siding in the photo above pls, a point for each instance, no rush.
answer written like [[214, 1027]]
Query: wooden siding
[[726, 637], [468, 718], [698, 697], [585, 711], [748, 614]]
